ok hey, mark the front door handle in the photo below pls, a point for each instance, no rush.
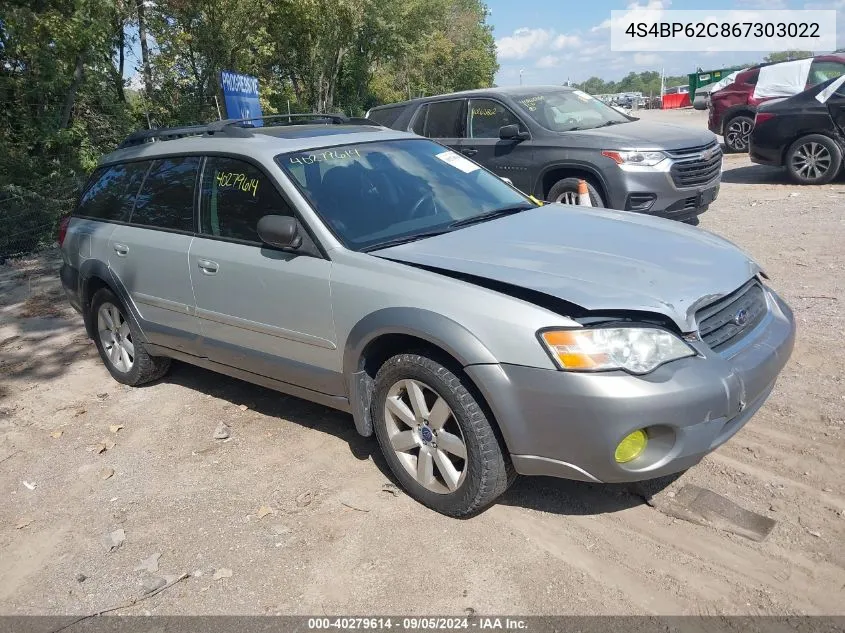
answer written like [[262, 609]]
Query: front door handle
[[469, 151], [121, 249], [208, 267]]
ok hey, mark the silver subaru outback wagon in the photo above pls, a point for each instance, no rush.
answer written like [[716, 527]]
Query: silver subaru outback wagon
[[477, 333]]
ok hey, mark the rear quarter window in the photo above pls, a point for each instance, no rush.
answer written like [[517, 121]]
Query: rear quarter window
[[386, 116], [111, 192]]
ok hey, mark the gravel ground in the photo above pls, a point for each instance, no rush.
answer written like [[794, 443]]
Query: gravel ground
[[295, 513]]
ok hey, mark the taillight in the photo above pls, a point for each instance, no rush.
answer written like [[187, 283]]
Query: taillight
[[762, 117], [63, 229]]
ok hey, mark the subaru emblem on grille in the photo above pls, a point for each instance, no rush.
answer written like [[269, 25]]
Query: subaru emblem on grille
[[741, 317]]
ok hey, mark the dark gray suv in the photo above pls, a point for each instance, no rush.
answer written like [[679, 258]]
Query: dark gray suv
[[545, 138]]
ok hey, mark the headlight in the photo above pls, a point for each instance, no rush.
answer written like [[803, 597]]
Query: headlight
[[643, 159], [638, 350]]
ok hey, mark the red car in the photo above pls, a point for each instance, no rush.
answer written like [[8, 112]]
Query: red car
[[732, 108]]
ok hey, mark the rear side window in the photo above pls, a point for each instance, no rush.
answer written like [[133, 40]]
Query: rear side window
[[166, 200], [822, 71], [386, 116], [445, 119], [235, 196], [111, 194]]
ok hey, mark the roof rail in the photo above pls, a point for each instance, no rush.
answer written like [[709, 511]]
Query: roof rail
[[236, 127]]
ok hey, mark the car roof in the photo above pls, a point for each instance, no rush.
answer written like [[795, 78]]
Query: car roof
[[505, 90], [261, 142]]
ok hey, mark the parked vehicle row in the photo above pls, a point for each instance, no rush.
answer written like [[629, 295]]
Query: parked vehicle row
[[476, 333], [805, 133], [734, 102], [544, 139]]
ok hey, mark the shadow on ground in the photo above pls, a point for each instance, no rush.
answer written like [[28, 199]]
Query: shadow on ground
[[539, 493], [755, 174]]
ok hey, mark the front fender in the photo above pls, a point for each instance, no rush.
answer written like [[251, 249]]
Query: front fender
[[434, 328]]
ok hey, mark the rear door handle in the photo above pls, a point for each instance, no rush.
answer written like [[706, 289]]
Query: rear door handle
[[121, 249], [469, 151], [208, 267]]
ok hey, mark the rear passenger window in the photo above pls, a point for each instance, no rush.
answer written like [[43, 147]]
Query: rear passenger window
[[445, 119], [235, 196], [111, 193], [166, 200]]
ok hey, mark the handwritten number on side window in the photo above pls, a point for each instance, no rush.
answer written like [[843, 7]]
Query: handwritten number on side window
[[235, 180]]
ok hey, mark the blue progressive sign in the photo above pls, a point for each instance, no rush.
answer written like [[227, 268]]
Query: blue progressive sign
[[240, 92]]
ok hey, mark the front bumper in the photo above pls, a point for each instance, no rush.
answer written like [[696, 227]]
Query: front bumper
[[568, 424], [666, 200]]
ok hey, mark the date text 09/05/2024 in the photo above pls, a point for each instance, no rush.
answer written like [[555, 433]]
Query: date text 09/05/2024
[[417, 623]]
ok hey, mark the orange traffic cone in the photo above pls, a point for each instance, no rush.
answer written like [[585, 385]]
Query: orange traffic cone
[[584, 194]]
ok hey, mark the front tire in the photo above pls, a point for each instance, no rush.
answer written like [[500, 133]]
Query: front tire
[[565, 191], [813, 160], [119, 342], [437, 438], [738, 134]]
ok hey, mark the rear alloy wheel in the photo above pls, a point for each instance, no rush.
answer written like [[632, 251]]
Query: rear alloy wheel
[[813, 160], [437, 438], [119, 342], [738, 133]]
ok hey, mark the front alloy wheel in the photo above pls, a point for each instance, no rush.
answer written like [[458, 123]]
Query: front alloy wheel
[[425, 436], [436, 434]]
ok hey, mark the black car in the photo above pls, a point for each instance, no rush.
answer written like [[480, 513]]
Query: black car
[[544, 139], [803, 133]]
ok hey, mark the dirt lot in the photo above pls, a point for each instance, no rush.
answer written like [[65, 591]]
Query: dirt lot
[[290, 514]]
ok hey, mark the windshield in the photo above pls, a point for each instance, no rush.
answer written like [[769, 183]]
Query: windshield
[[370, 194], [568, 110]]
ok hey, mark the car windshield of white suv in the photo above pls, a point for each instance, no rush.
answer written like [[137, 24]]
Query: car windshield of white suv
[[375, 195], [568, 110]]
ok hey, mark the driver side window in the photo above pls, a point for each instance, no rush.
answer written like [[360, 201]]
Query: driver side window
[[235, 196], [486, 117]]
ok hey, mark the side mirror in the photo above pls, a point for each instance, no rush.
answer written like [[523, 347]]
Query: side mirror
[[512, 132], [281, 231]]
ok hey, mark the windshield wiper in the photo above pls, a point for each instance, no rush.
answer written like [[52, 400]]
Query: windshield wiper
[[606, 123], [492, 215], [396, 241]]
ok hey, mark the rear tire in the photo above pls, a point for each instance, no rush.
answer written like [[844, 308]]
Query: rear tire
[[119, 342], [814, 159], [565, 191], [437, 438], [738, 133]]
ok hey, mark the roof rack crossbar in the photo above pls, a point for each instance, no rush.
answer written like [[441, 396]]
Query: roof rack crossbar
[[234, 127]]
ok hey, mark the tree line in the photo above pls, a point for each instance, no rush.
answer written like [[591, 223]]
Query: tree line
[[648, 82], [65, 69]]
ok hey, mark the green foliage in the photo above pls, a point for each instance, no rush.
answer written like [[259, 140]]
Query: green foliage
[[62, 68], [647, 82], [785, 56]]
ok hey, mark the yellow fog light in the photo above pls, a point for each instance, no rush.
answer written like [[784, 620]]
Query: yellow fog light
[[631, 446]]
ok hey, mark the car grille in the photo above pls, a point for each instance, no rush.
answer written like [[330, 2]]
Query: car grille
[[731, 317], [691, 170]]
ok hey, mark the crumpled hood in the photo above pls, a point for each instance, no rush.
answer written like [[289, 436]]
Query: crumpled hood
[[598, 259], [646, 135]]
